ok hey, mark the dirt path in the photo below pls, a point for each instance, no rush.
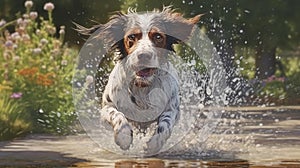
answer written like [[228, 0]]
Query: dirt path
[[42, 150]]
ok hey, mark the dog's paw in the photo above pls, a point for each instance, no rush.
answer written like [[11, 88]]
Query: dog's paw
[[155, 144], [123, 137]]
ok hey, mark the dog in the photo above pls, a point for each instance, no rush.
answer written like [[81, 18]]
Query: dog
[[143, 86]]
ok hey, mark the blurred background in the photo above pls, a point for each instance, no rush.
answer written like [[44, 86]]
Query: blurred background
[[257, 41], [270, 28]]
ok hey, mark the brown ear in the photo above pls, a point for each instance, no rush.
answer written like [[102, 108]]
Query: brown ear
[[195, 19], [179, 27]]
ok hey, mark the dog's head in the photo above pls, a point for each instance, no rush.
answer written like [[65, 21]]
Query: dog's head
[[142, 40]]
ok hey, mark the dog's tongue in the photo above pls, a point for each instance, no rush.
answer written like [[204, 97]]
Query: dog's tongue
[[145, 72]]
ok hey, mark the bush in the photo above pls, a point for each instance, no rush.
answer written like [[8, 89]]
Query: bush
[[14, 120], [278, 88], [37, 70]]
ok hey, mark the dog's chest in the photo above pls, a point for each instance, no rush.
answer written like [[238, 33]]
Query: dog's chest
[[141, 106]]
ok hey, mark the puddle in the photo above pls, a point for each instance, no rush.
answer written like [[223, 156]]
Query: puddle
[[261, 137]]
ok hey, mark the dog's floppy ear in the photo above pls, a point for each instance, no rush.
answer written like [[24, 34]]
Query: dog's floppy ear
[[179, 27], [112, 33]]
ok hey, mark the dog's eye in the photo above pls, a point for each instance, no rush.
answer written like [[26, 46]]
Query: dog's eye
[[158, 37], [131, 37]]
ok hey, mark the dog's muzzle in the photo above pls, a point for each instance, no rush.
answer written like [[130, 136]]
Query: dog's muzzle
[[144, 77], [146, 72]]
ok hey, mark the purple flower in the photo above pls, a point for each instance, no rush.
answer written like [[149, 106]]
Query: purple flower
[[16, 95], [281, 79], [9, 43], [49, 6], [15, 36]]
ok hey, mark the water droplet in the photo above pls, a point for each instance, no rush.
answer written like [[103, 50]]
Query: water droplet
[[208, 91], [246, 11], [40, 120], [193, 62], [200, 106], [78, 84]]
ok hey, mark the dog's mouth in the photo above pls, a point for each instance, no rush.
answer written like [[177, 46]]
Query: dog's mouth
[[144, 77], [147, 72]]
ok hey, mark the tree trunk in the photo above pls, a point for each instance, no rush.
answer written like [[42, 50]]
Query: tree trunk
[[265, 62]]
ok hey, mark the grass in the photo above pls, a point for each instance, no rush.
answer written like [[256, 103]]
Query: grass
[[14, 121]]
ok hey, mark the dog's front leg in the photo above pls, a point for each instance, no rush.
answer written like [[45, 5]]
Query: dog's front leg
[[166, 123], [122, 129]]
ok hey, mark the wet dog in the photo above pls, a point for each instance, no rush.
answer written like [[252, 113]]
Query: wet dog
[[143, 86]]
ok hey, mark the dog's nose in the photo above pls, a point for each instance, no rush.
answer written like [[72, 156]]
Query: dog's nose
[[144, 57]]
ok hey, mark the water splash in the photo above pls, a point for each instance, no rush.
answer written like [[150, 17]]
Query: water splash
[[203, 94]]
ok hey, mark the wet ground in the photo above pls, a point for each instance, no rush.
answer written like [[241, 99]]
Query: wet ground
[[261, 137]]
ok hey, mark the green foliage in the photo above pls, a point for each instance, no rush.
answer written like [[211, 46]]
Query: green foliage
[[274, 87], [190, 56], [14, 120], [280, 86], [292, 70], [37, 70]]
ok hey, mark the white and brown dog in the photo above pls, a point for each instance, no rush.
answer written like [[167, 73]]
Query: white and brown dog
[[142, 87]]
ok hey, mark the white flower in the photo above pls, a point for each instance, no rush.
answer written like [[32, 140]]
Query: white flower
[[44, 41], [64, 62], [25, 16], [37, 51], [26, 37], [2, 22], [15, 46], [15, 36], [51, 30], [49, 6], [62, 30], [16, 58], [33, 15], [38, 32], [20, 21], [28, 4]]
